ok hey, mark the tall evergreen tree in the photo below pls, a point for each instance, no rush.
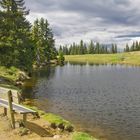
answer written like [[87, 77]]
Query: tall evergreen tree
[[97, 49], [15, 42], [91, 47], [44, 42], [113, 49], [127, 48], [81, 47], [116, 48]]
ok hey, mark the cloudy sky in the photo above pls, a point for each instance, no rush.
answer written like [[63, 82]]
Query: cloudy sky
[[105, 21]]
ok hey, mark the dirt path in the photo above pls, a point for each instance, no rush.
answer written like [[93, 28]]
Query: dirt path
[[39, 130]]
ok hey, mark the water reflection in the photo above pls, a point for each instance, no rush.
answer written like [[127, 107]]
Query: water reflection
[[101, 99], [29, 90]]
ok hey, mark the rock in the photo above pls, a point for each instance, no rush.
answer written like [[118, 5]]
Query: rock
[[69, 128], [61, 126], [36, 116], [53, 125], [19, 83], [56, 137], [22, 76]]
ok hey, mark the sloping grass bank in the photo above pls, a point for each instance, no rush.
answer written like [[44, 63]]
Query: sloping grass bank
[[81, 136], [57, 121], [51, 118], [12, 77], [11, 74], [131, 58], [8, 77]]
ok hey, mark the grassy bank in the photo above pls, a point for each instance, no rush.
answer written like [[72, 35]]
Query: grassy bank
[[11, 74], [81, 136], [59, 122], [8, 77], [131, 58]]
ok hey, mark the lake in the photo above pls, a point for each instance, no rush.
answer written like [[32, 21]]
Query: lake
[[103, 100]]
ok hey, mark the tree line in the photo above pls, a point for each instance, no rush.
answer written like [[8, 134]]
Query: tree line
[[134, 47], [23, 44], [91, 48]]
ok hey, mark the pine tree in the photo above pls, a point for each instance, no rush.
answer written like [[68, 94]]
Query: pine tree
[[85, 49], [16, 46], [61, 58], [81, 47], [137, 46], [116, 48], [132, 47], [91, 48], [113, 49], [97, 49], [44, 42], [127, 48]]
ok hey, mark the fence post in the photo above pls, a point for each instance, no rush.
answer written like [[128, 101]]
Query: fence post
[[11, 109], [18, 97]]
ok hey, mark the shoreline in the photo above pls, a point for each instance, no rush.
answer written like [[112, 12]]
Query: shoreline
[[54, 120], [131, 58]]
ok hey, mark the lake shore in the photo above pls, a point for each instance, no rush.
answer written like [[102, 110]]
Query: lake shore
[[8, 80], [131, 58]]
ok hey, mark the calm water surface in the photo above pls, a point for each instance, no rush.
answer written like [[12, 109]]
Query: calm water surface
[[103, 100]]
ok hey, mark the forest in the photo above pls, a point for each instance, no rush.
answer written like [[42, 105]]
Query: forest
[[96, 48]]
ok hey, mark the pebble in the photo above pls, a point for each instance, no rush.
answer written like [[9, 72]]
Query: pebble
[[56, 137]]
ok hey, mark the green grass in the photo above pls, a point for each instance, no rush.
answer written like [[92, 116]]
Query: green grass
[[82, 136], [10, 74], [56, 119], [8, 77], [131, 58], [52, 118]]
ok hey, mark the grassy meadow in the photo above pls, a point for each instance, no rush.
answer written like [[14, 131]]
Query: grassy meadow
[[131, 58]]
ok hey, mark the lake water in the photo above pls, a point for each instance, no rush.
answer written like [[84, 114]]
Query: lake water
[[103, 100]]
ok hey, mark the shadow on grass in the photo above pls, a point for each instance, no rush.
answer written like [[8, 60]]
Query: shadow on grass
[[38, 129]]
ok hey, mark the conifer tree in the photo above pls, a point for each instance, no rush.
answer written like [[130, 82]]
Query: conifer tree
[[127, 48], [97, 49], [91, 47], [15, 42], [44, 42]]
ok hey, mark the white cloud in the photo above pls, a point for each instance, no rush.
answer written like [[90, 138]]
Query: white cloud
[[111, 21]]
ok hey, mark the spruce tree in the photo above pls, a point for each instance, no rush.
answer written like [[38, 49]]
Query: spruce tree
[[116, 48], [15, 39], [44, 42], [127, 48], [91, 47], [97, 49]]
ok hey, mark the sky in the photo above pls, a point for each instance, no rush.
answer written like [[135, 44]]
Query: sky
[[104, 21]]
